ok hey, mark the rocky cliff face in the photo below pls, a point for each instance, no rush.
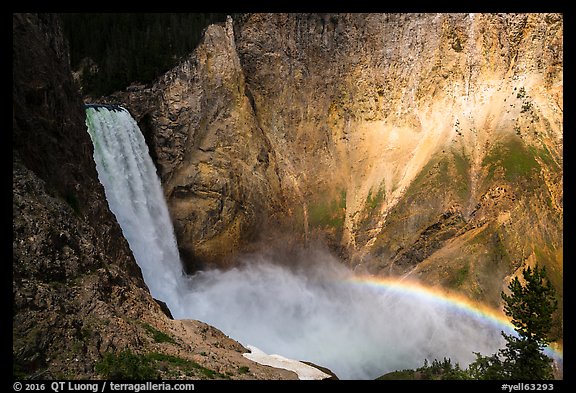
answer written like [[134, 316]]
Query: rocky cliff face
[[78, 295], [419, 144], [217, 165]]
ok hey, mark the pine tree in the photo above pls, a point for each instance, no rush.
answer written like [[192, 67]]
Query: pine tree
[[530, 306]]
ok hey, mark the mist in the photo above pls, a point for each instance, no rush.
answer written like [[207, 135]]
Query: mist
[[300, 306]]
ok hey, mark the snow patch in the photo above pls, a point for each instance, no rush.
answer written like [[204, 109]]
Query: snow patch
[[304, 371]]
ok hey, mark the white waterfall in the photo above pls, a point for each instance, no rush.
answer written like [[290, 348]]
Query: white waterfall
[[135, 196]]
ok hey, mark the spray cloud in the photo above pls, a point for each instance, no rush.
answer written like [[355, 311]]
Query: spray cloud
[[312, 312]]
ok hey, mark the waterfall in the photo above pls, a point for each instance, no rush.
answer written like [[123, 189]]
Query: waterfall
[[135, 196]]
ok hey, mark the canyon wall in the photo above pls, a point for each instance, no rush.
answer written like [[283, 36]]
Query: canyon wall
[[427, 145]]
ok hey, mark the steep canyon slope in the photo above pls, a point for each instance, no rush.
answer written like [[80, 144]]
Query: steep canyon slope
[[79, 299], [427, 145]]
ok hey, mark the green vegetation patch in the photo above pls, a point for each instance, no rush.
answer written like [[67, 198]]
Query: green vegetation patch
[[130, 366], [462, 165], [126, 365], [371, 211], [517, 161], [328, 214], [188, 367], [452, 171], [546, 157], [449, 172], [243, 370], [459, 277], [157, 335], [373, 201]]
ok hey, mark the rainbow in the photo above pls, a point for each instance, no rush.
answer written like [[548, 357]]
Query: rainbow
[[453, 301]]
